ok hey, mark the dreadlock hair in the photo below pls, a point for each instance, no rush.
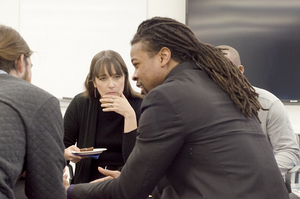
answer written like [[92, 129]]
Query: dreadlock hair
[[160, 32]]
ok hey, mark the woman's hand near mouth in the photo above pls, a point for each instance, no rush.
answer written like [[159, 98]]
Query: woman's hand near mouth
[[120, 105]]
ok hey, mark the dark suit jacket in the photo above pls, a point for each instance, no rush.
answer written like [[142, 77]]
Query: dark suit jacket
[[193, 142]]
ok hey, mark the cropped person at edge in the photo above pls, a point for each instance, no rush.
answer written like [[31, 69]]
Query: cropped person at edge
[[275, 121]]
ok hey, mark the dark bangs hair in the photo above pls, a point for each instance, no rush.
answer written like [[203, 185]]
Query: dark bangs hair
[[107, 60]]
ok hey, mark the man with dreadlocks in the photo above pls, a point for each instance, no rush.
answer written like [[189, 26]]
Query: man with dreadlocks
[[198, 135], [275, 121]]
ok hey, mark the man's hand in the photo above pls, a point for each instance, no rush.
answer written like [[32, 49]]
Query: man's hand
[[109, 174]]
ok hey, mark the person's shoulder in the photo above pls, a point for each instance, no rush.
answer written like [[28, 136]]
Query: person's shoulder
[[265, 94], [265, 97], [80, 100], [80, 96], [25, 88], [25, 97]]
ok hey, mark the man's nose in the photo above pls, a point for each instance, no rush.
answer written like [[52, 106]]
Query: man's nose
[[134, 76]]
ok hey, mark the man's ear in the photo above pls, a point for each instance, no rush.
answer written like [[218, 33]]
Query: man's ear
[[20, 64], [164, 55], [241, 68]]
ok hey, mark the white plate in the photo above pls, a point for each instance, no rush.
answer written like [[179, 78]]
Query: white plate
[[95, 151]]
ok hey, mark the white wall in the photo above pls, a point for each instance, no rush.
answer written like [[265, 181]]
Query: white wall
[[9, 15], [66, 34], [175, 9], [9, 10]]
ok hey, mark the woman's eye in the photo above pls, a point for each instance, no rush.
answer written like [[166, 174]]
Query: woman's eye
[[117, 76], [102, 78]]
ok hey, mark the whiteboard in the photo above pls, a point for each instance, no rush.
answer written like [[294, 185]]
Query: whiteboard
[[66, 34]]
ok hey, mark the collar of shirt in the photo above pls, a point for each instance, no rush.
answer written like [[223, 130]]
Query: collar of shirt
[[2, 72]]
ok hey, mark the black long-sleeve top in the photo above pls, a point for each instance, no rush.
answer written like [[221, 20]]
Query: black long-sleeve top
[[86, 124]]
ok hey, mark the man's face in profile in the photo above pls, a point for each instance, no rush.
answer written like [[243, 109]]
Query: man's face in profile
[[147, 69]]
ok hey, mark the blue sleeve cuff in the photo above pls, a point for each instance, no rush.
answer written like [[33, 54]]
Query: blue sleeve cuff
[[69, 191]]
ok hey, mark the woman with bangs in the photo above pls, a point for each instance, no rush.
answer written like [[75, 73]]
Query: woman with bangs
[[104, 116]]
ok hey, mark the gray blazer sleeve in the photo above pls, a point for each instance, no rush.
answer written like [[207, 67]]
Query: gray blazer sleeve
[[44, 158]]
